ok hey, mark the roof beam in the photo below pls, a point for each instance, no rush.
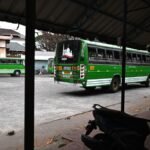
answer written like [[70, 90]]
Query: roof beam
[[89, 14], [104, 38], [146, 2], [20, 19], [109, 15], [133, 33], [62, 12], [138, 9], [4, 16], [78, 23]]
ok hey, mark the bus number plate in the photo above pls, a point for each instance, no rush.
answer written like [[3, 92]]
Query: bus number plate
[[67, 68]]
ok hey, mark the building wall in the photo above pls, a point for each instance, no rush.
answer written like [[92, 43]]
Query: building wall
[[41, 59], [2, 43], [2, 52], [40, 63], [2, 48]]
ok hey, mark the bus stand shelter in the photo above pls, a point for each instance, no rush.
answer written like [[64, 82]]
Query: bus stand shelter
[[123, 22]]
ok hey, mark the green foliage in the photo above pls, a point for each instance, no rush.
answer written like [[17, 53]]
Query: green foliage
[[48, 40]]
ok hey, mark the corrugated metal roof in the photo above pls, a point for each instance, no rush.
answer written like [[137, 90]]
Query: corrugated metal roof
[[9, 32], [92, 18], [13, 46]]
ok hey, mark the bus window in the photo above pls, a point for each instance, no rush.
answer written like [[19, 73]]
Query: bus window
[[139, 58], [101, 54], [68, 51], [148, 59], [134, 57], [143, 58], [129, 57], [116, 55], [109, 55], [92, 54], [6, 61], [1, 62], [14, 62]]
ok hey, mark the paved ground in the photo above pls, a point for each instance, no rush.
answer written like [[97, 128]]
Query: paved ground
[[54, 101], [63, 134]]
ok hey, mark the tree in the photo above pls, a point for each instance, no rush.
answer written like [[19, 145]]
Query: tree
[[48, 40]]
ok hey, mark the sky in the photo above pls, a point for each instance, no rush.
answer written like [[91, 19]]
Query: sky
[[13, 26]]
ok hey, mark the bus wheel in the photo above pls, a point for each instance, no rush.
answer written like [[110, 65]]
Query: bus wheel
[[115, 83], [147, 82], [17, 73], [90, 88]]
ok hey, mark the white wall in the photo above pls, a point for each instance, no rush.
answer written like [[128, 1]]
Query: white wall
[[2, 48], [2, 52], [2, 44]]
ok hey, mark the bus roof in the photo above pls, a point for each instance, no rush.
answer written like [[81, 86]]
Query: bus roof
[[114, 46]]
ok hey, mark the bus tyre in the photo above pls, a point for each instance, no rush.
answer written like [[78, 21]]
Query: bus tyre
[[17, 73], [147, 82], [115, 83]]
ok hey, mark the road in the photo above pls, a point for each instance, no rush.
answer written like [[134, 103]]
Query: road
[[54, 101]]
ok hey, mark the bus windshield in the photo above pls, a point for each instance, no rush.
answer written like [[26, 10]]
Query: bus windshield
[[68, 51]]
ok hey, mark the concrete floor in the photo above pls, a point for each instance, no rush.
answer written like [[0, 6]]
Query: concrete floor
[[54, 101]]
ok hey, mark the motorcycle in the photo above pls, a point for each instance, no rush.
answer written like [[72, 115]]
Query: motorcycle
[[119, 130]]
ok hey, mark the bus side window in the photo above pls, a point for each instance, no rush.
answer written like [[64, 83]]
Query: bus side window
[[143, 58], [92, 54], [13, 61], [148, 59], [109, 55], [134, 57], [101, 54], [139, 58], [116, 55], [129, 57], [20, 62], [2, 61]]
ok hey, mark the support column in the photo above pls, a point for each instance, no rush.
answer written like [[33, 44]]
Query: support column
[[124, 39], [29, 75]]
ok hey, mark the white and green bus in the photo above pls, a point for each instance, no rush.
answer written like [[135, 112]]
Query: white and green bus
[[94, 64], [12, 66]]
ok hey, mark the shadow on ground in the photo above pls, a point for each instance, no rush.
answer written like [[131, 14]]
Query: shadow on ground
[[98, 91]]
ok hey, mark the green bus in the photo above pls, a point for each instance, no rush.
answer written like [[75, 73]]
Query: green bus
[[94, 64], [51, 65], [12, 66]]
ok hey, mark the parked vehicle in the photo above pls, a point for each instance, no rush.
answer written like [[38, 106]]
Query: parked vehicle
[[12, 66], [119, 131]]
